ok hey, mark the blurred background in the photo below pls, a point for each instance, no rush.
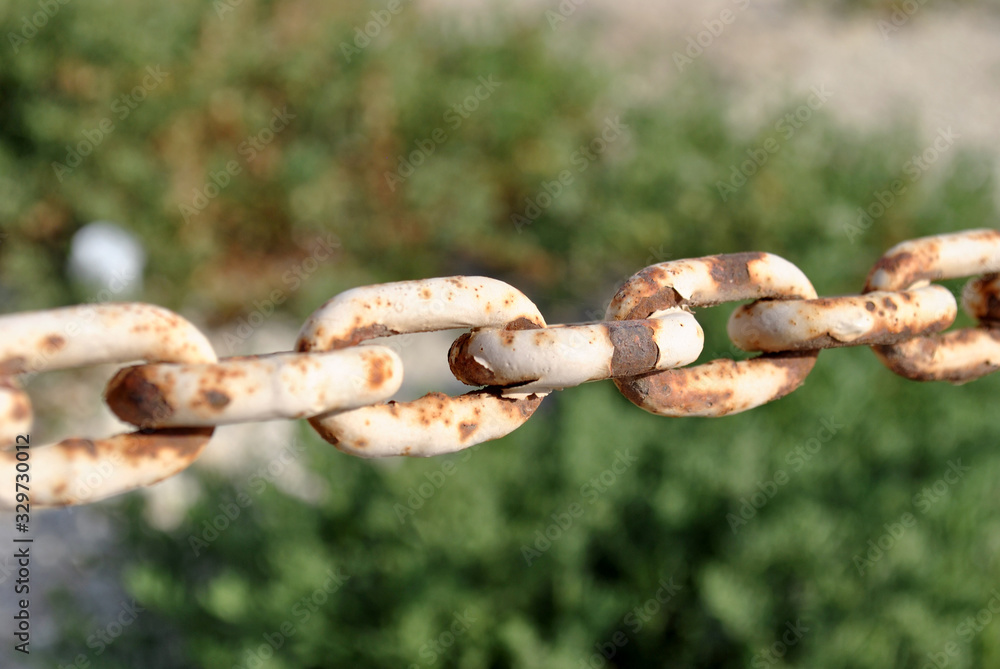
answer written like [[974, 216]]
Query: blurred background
[[235, 150]]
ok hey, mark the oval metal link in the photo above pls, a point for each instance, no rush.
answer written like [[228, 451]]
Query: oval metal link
[[562, 356], [882, 317], [76, 471], [254, 388], [15, 410], [719, 387], [981, 299], [957, 356], [435, 423]]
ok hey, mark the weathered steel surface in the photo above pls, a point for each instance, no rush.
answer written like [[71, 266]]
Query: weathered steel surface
[[958, 356], [435, 423], [254, 388], [881, 317], [562, 356], [76, 471], [722, 386]]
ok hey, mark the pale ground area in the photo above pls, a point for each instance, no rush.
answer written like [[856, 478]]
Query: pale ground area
[[940, 66]]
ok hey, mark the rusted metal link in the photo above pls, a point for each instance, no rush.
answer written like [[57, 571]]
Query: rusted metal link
[[562, 356], [882, 317], [15, 410], [958, 356], [76, 471], [435, 423], [981, 299], [722, 386], [254, 388]]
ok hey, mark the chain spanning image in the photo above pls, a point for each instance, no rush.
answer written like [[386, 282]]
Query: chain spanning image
[[183, 390]]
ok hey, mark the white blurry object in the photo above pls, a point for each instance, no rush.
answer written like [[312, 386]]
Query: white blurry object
[[106, 256]]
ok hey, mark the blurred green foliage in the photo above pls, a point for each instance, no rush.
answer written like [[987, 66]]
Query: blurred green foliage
[[652, 195]]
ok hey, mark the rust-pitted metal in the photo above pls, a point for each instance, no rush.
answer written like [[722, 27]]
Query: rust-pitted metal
[[958, 356], [719, 387], [81, 471], [981, 299], [562, 356], [183, 390], [722, 386], [76, 471], [416, 306], [709, 281], [254, 388], [882, 317], [435, 423], [950, 256], [15, 410]]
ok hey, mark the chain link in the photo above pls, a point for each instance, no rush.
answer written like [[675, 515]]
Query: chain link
[[342, 382]]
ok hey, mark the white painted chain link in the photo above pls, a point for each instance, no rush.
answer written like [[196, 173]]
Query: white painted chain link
[[183, 390]]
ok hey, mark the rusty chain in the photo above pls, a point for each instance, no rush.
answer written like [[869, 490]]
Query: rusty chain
[[342, 385]]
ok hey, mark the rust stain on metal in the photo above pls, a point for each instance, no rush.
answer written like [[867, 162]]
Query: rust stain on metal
[[74, 447], [930, 358], [796, 366], [13, 366], [635, 349], [136, 400], [53, 343], [464, 367], [906, 266], [379, 371], [466, 430], [20, 411], [713, 390], [215, 398], [647, 289], [733, 268], [181, 444]]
